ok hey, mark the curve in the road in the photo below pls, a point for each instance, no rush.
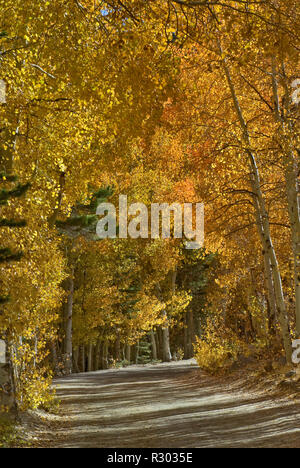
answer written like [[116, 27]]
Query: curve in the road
[[160, 407]]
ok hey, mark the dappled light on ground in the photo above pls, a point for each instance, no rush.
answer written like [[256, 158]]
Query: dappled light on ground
[[161, 406]]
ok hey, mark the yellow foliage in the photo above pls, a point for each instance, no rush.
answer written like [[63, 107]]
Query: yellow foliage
[[216, 350]]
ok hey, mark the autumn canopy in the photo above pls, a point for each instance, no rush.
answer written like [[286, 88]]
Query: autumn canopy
[[164, 101]]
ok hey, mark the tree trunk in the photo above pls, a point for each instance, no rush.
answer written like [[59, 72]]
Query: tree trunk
[[118, 347], [167, 356], [68, 326], [137, 352], [185, 344], [270, 295], [189, 335], [97, 356], [295, 227], [291, 179], [7, 380], [76, 359], [159, 346], [262, 216], [101, 355], [104, 356], [153, 344], [128, 353], [166, 352], [83, 368], [90, 357]]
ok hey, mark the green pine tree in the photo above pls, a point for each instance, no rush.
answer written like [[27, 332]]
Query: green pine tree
[[83, 220], [145, 351]]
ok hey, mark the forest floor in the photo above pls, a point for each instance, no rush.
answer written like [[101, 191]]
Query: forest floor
[[166, 406]]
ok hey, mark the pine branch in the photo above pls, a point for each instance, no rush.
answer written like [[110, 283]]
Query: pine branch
[[78, 221], [6, 255], [7, 178], [4, 300], [17, 192], [100, 197], [11, 223], [84, 224]]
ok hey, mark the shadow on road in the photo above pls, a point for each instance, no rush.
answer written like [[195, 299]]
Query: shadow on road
[[161, 407]]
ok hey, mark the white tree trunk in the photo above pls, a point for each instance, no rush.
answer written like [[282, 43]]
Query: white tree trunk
[[90, 357], [262, 216], [167, 356], [153, 344], [128, 352], [270, 292], [166, 351], [291, 179], [69, 326]]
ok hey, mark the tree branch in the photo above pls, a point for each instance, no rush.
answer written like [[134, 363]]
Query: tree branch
[[43, 71]]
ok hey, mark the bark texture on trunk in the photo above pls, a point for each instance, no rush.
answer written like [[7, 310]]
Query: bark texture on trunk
[[272, 313], [82, 358], [128, 352], [166, 351], [165, 333], [153, 345], [105, 355], [189, 335], [90, 357], [97, 356], [291, 179], [262, 216], [68, 347], [76, 360], [118, 346]]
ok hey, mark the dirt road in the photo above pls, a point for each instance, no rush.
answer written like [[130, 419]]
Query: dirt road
[[169, 406]]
